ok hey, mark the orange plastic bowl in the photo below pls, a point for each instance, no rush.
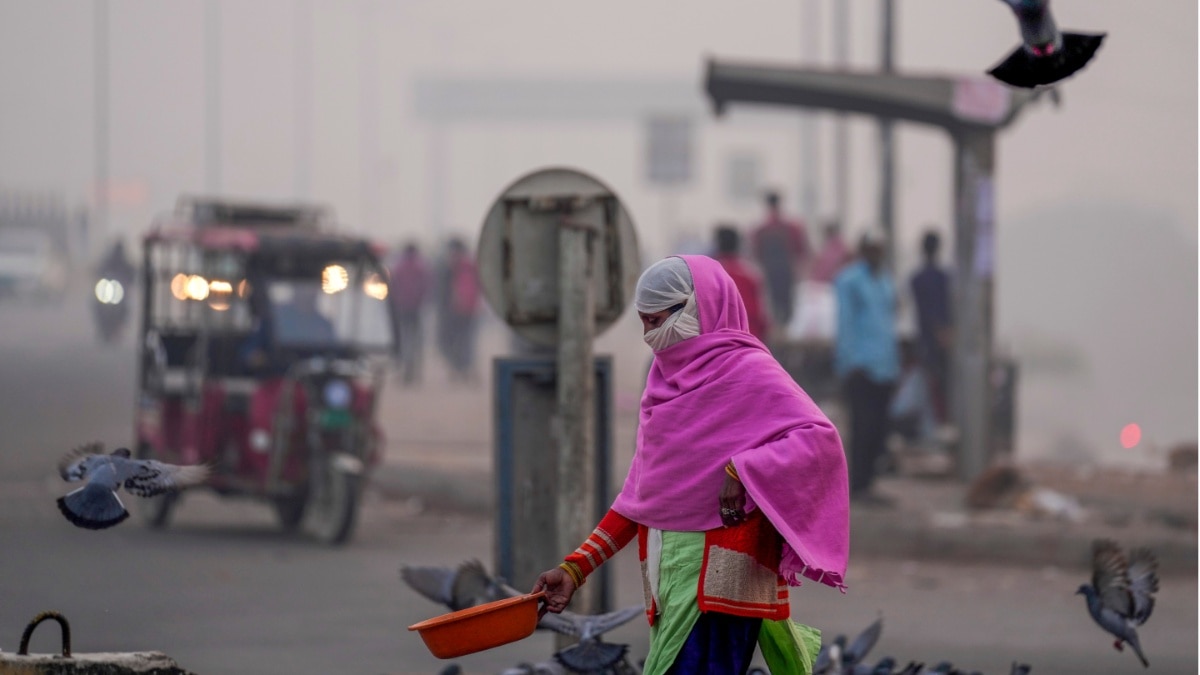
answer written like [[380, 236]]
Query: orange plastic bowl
[[480, 627]]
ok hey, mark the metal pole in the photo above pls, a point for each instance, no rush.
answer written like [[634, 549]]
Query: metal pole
[[810, 24], [576, 397], [841, 138], [887, 139], [437, 144], [100, 191], [303, 99], [368, 128], [970, 389], [212, 96]]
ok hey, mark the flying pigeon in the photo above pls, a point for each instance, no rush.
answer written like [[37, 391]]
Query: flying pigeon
[[1046, 55], [470, 584], [96, 505], [1121, 595]]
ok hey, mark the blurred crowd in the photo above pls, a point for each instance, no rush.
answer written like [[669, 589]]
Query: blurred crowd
[[838, 305], [446, 287], [828, 310]]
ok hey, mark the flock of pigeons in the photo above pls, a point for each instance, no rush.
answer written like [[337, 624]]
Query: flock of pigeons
[[1120, 598]]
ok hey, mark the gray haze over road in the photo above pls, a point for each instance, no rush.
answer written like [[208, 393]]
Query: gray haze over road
[[222, 591]]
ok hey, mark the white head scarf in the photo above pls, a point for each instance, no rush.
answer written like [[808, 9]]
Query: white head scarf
[[663, 285]]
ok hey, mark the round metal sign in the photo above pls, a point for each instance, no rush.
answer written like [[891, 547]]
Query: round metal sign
[[518, 252]]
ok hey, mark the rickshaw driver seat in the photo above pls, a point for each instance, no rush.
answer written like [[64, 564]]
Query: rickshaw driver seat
[[297, 321]]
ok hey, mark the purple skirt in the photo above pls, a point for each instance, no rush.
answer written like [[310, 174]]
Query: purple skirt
[[719, 644]]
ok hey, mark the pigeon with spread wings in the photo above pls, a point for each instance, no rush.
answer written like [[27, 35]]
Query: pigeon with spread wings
[[1121, 595], [1045, 55], [96, 506]]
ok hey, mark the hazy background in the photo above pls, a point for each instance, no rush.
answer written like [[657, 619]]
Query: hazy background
[[1096, 278]]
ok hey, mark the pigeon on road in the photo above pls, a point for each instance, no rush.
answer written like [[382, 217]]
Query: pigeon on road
[[861, 645], [1121, 595], [829, 658], [1046, 55], [96, 506]]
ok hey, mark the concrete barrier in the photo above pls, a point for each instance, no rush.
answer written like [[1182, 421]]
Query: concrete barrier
[[66, 663]]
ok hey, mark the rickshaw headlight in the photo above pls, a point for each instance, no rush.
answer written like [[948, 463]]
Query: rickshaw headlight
[[337, 394], [260, 440]]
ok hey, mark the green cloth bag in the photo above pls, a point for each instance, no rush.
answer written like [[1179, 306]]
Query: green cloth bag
[[789, 648]]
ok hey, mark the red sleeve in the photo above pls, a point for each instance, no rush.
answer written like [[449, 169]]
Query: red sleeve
[[610, 536]]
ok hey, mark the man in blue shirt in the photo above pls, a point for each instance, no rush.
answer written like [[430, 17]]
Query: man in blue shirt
[[866, 358]]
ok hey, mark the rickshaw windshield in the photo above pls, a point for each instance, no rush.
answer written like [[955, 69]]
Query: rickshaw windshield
[[344, 307]]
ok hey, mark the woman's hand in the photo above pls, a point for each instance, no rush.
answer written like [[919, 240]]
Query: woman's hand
[[559, 588], [732, 501]]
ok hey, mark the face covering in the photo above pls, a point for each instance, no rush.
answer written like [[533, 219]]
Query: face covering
[[678, 327]]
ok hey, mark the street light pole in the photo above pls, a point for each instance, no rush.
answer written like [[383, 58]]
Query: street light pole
[[887, 140], [100, 189], [841, 139], [212, 96], [303, 99], [810, 21]]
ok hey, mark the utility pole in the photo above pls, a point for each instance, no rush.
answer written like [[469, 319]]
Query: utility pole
[[99, 229], [368, 103], [303, 99], [974, 254], [841, 138], [810, 42], [212, 97], [887, 140]]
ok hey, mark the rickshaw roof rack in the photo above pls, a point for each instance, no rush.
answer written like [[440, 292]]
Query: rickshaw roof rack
[[216, 211]]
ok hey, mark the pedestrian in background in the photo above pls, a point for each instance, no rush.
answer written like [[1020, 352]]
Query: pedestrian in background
[[782, 250], [866, 359], [832, 256], [458, 310], [411, 280], [935, 330], [737, 489], [745, 277]]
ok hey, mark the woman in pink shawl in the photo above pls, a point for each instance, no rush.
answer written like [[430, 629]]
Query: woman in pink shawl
[[737, 489]]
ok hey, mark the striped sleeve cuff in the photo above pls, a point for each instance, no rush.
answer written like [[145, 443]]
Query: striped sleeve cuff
[[610, 536]]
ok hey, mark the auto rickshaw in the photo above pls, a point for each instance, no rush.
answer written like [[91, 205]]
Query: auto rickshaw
[[265, 337]]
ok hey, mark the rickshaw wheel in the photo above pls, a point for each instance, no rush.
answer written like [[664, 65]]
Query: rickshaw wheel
[[333, 502], [290, 511]]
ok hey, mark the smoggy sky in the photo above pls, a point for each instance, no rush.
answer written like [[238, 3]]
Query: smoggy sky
[[1095, 200]]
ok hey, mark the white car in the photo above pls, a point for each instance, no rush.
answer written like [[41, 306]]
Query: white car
[[30, 264]]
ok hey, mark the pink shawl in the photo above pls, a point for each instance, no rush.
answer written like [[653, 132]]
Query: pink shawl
[[722, 396]]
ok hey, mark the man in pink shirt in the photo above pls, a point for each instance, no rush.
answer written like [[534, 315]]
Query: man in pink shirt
[[832, 257], [745, 277], [781, 248]]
